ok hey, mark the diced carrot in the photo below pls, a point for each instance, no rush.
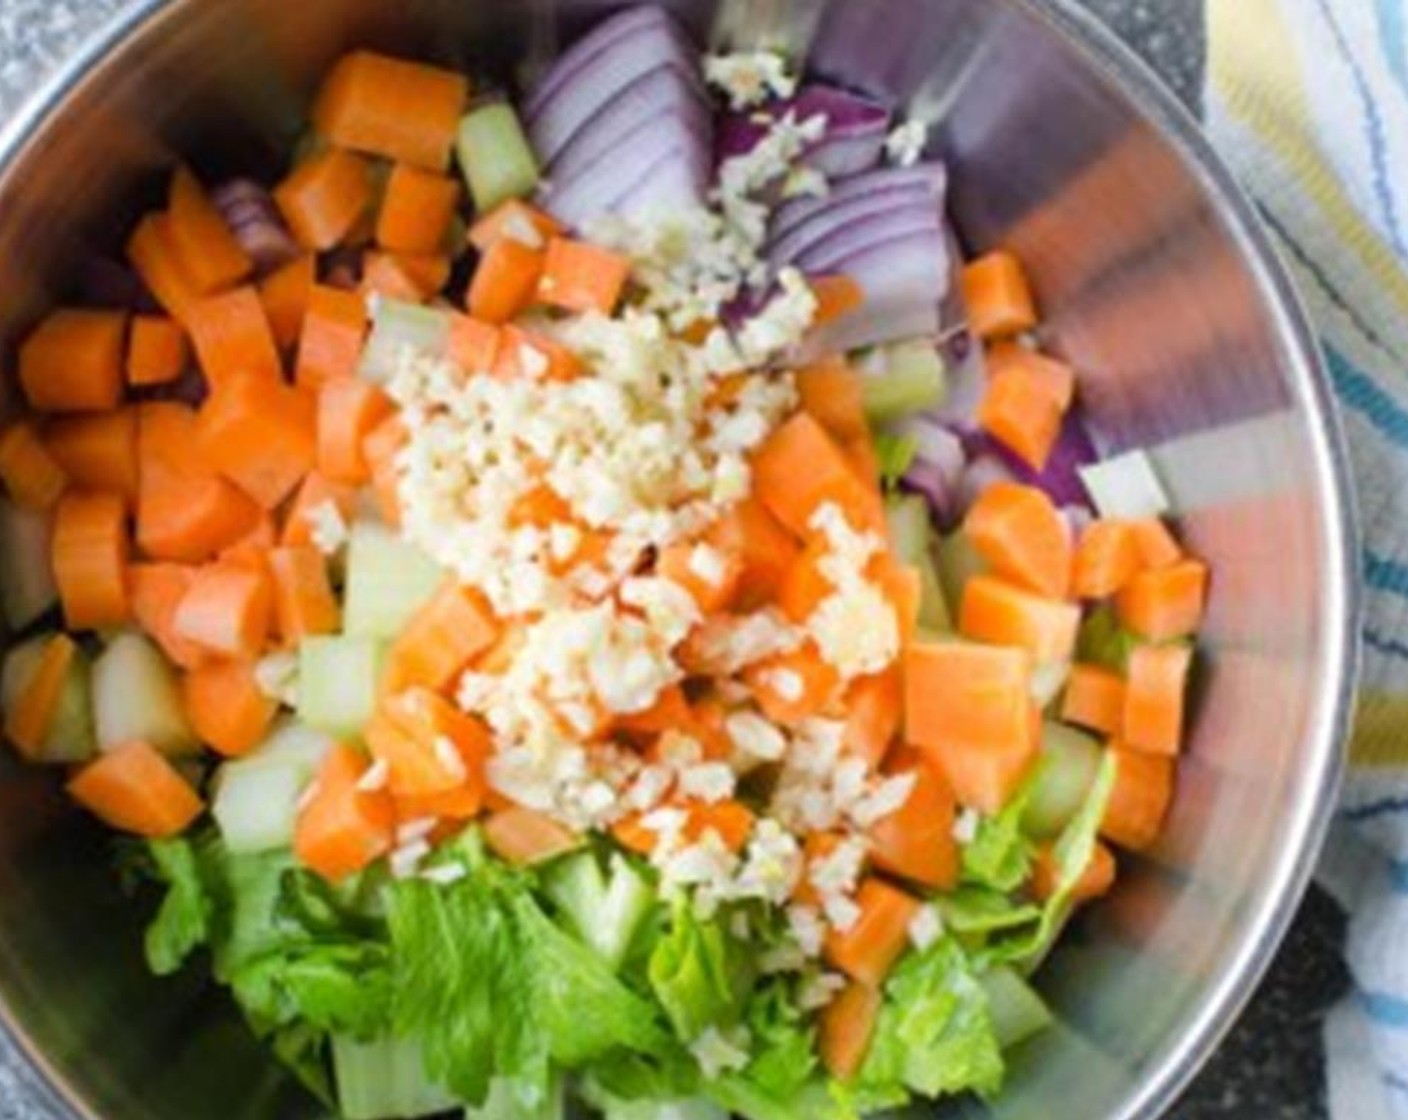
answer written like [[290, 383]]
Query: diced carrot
[[429, 746], [1165, 603], [525, 836], [284, 294], [801, 468], [1155, 544], [331, 344], [805, 586], [348, 409], [380, 448], [1021, 535], [632, 834], [341, 828], [1057, 379], [869, 949], [461, 804], [152, 253], [30, 715], [730, 821], [1018, 411], [836, 296], [97, 451], [1094, 699], [916, 841], [156, 350], [228, 609], [232, 338], [831, 392], [987, 778], [903, 588], [506, 280], [709, 574], [227, 708], [383, 276], [1139, 799], [578, 276], [767, 550], [134, 789], [1095, 881], [441, 639], [260, 434], [253, 548], [302, 518], [29, 470], [72, 361], [474, 346], [416, 209], [185, 511], [845, 1027], [670, 712], [1106, 559], [794, 686], [389, 107], [522, 353], [997, 295], [304, 603], [1153, 698], [209, 255], [541, 507], [517, 219], [155, 591], [874, 710], [324, 197], [993, 610], [89, 551]]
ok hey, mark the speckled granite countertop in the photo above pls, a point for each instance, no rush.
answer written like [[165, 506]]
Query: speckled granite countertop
[[1270, 1067]]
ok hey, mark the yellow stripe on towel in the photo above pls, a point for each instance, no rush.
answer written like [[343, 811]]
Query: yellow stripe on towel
[[1255, 67], [1380, 737]]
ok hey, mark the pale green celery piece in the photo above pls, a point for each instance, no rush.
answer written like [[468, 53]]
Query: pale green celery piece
[[338, 682], [399, 327], [495, 156], [1069, 762], [27, 587], [256, 804], [912, 537], [136, 696], [910, 378], [388, 580], [1017, 1012], [958, 563], [70, 737], [385, 1080]]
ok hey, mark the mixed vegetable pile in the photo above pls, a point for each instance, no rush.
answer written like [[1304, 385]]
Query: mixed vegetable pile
[[592, 600]]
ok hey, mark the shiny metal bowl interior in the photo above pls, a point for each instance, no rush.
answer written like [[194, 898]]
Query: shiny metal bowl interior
[[1157, 283]]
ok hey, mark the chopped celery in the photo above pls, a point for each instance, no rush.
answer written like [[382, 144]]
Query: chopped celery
[[27, 588], [293, 744], [495, 156], [396, 327], [256, 804], [136, 696], [1017, 1012], [1126, 487], [606, 910], [1070, 760], [388, 579], [958, 563], [910, 379], [70, 737], [504, 1103], [1102, 641], [912, 537], [385, 1080], [337, 684]]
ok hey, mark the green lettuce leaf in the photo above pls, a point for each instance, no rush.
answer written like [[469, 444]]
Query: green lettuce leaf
[[933, 1035], [1102, 641], [982, 910], [1000, 854], [182, 924], [700, 973]]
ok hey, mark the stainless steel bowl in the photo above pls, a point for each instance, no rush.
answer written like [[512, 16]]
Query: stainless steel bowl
[[1157, 282]]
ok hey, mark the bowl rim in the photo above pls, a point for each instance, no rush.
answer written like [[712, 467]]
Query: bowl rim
[[1285, 881]]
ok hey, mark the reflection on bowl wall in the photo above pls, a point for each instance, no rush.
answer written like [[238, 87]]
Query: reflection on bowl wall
[[1156, 284]]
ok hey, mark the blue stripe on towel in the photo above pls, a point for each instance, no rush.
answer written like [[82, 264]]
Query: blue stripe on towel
[[1383, 574], [1374, 128], [1393, 29], [1384, 1009], [1371, 809], [1380, 643], [1357, 390]]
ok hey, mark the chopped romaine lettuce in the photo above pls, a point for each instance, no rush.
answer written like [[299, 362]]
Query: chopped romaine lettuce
[[1000, 854], [700, 973], [604, 908]]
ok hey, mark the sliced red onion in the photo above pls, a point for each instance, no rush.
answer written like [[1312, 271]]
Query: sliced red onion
[[967, 381], [932, 177], [938, 466], [585, 49], [655, 147], [840, 248], [1060, 477], [661, 92], [981, 472], [804, 234], [254, 219], [676, 181], [853, 142], [595, 81]]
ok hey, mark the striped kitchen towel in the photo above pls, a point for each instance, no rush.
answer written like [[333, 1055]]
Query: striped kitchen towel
[[1308, 101]]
